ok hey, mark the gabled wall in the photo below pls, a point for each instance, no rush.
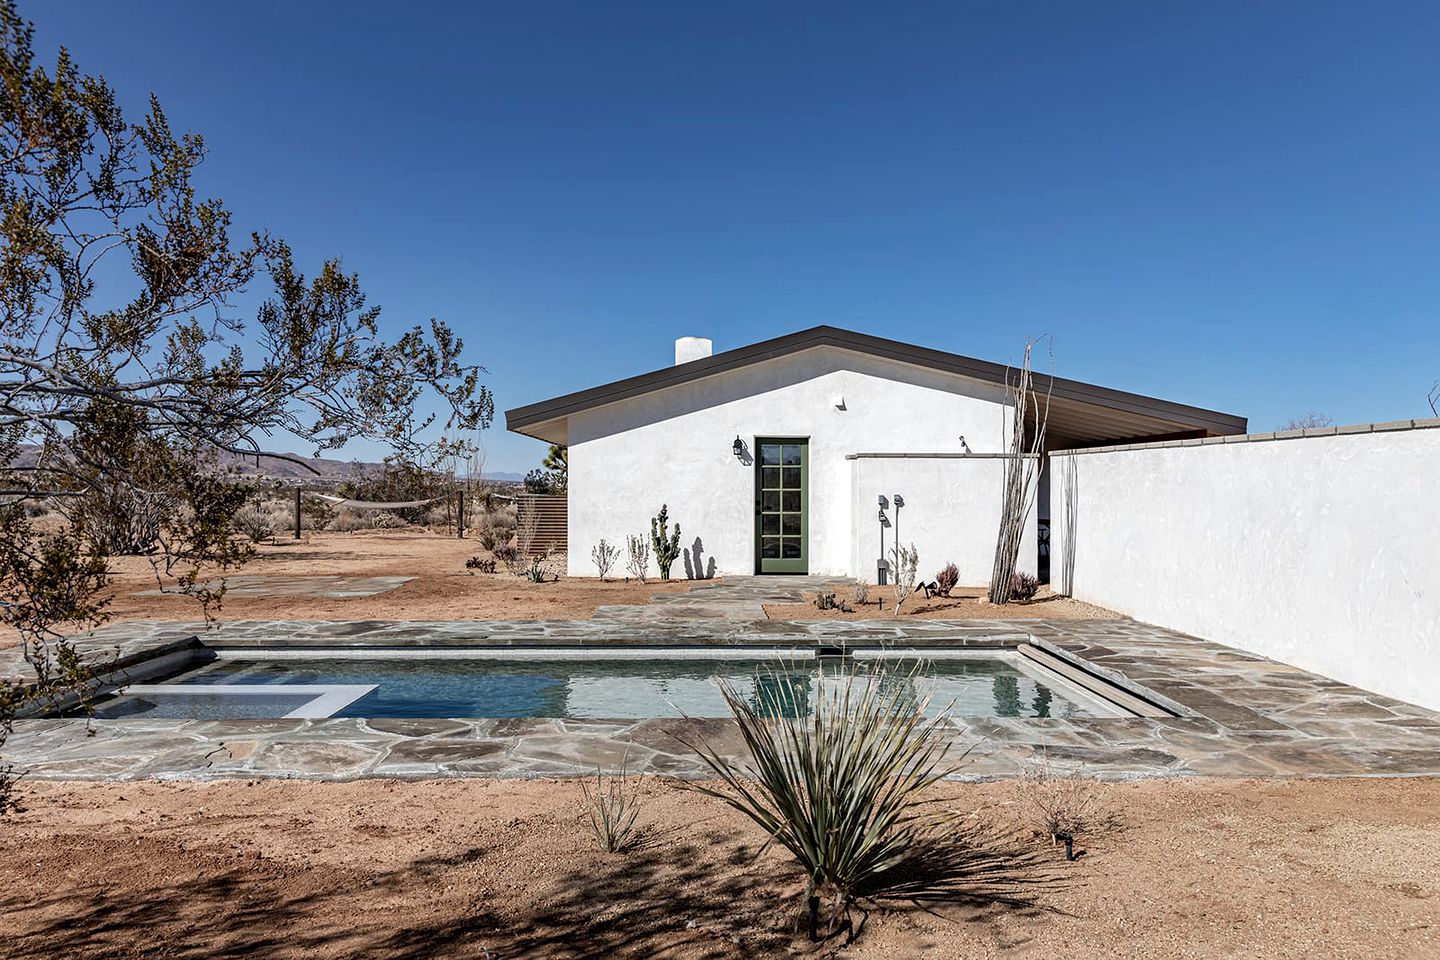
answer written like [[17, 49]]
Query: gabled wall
[[674, 446], [1319, 549]]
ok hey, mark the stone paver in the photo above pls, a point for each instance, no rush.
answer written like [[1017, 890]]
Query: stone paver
[[1237, 714]]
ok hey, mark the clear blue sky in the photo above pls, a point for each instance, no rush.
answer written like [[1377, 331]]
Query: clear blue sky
[[1235, 205]]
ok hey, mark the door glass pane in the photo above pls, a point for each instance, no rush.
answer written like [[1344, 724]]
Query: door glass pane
[[792, 525], [770, 524], [791, 500], [792, 549], [770, 477], [792, 454], [770, 548], [769, 454], [792, 478], [770, 501]]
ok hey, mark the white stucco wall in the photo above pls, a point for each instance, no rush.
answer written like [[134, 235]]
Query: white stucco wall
[[951, 513], [1320, 551], [673, 446]]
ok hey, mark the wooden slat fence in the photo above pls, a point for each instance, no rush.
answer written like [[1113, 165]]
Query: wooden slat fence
[[551, 515]]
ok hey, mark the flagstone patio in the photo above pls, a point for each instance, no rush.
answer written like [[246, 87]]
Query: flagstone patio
[[1236, 714]]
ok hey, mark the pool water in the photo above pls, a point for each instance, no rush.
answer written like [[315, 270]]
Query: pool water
[[998, 684]]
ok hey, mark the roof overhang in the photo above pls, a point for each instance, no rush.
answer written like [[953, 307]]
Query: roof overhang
[[1080, 413]]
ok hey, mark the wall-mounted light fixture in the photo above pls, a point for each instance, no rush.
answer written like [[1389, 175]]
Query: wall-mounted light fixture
[[838, 401], [738, 448]]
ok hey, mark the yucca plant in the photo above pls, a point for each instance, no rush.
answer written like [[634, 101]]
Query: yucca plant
[[612, 805], [840, 789]]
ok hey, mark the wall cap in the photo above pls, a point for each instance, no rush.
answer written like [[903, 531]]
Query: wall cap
[[1430, 423]]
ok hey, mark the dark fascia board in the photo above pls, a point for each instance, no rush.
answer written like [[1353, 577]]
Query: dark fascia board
[[1211, 421]]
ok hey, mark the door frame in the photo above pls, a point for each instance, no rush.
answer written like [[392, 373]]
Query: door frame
[[783, 566]]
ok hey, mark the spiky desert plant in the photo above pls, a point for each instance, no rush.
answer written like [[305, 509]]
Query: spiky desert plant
[[612, 805], [667, 546], [842, 789], [637, 557], [603, 556]]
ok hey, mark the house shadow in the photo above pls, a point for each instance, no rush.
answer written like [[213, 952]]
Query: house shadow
[[696, 566]]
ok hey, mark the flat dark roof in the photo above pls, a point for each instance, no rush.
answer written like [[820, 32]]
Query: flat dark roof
[[1114, 412]]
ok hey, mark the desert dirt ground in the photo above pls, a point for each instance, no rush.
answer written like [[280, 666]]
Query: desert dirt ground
[[964, 603], [443, 589], [504, 869]]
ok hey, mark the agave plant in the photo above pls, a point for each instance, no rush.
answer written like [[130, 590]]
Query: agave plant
[[840, 789]]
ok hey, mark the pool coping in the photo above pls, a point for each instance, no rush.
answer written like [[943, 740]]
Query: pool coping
[[1239, 714]]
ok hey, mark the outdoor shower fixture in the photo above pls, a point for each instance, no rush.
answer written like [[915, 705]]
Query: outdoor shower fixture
[[899, 502], [880, 566]]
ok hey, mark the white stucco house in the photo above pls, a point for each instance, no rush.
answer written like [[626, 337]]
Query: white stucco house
[[799, 454]]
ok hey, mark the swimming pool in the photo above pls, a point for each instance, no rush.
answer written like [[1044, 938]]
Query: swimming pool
[[611, 684]]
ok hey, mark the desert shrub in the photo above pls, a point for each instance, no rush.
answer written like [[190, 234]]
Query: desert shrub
[[1023, 586], [120, 520], [860, 594], [842, 790], [316, 514], [947, 578], [1058, 804], [539, 569], [637, 560], [255, 521], [506, 553], [399, 482], [611, 806], [604, 556], [826, 600], [666, 545], [481, 564], [904, 562], [527, 528], [493, 538]]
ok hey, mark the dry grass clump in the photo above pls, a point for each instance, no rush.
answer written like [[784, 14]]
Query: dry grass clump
[[1059, 805], [611, 806]]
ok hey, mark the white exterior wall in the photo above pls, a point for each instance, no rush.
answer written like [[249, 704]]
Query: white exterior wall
[[673, 446], [1321, 551], [951, 514]]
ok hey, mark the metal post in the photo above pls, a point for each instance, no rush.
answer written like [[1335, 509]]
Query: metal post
[[460, 515], [297, 513]]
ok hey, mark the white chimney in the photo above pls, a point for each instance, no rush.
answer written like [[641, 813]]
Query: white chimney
[[691, 348]]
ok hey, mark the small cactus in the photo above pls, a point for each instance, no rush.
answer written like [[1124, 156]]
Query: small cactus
[[666, 545]]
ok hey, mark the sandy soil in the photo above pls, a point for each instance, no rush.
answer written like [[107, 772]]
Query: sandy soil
[[442, 589], [502, 869], [964, 603]]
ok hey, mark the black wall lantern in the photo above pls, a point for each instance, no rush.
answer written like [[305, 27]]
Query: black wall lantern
[[738, 448]]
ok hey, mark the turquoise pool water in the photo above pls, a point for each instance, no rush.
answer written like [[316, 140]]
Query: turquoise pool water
[[998, 685]]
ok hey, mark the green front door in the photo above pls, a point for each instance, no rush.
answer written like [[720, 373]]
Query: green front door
[[782, 496]]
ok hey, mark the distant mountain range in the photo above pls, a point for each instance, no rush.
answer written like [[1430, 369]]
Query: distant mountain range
[[271, 469]]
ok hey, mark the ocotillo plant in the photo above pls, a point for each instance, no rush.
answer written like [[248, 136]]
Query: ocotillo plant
[[667, 546]]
